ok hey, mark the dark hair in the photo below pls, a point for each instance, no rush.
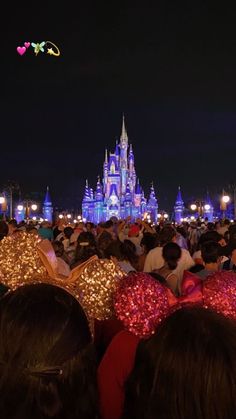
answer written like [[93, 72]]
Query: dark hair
[[108, 224], [122, 251], [211, 251], [171, 254], [128, 251], [58, 248], [13, 222], [148, 241], [86, 248], [196, 268], [104, 240], [166, 235], [186, 370], [47, 360], [210, 236], [68, 231], [3, 229]]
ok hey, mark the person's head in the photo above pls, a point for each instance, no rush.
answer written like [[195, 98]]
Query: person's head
[[3, 229], [171, 253], [119, 251], [212, 236], [47, 361], [58, 248], [104, 240], [86, 247], [108, 226], [166, 235], [148, 242], [89, 226], [68, 231], [134, 230], [211, 252], [186, 370], [12, 225]]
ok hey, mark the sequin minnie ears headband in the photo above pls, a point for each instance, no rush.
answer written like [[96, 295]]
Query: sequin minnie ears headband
[[142, 303], [26, 259]]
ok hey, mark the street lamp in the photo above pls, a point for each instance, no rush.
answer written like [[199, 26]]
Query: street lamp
[[193, 207], [207, 207], [20, 207], [2, 199], [34, 207], [224, 201]]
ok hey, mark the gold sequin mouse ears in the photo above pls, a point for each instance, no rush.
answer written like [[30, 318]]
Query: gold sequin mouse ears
[[27, 259]]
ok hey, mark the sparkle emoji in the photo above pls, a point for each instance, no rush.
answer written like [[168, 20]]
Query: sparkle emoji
[[51, 51]]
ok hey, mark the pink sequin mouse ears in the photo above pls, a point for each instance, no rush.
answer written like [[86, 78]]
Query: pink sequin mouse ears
[[142, 303]]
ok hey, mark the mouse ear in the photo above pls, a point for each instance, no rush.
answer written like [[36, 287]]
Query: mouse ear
[[219, 293], [141, 303]]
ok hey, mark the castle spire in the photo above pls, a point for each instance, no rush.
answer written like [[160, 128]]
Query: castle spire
[[124, 135], [47, 199], [106, 157], [179, 207], [179, 200]]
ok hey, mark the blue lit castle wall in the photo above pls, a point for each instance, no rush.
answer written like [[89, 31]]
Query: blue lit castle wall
[[119, 194]]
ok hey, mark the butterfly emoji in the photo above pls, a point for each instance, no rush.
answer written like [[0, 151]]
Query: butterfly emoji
[[38, 47]]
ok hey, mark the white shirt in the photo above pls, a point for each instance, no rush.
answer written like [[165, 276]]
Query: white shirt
[[154, 260]]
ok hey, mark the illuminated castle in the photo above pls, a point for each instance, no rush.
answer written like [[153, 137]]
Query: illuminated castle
[[119, 194]]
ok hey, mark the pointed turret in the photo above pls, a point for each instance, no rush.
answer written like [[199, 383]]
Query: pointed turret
[[123, 158], [106, 157], [179, 199], [47, 206], [47, 199], [91, 194], [138, 190], [86, 192], [179, 207], [99, 195], [124, 135], [152, 205]]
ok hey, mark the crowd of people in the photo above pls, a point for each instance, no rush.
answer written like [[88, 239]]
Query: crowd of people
[[166, 351]]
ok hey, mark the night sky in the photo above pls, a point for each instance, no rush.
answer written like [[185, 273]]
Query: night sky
[[169, 66]]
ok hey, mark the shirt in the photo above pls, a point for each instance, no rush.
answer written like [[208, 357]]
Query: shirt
[[154, 260], [113, 372]]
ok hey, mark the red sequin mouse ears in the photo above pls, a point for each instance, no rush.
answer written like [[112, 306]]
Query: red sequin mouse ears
[[142, 303]]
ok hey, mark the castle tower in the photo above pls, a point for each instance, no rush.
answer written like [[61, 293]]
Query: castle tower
[[132, 173], [98, 205], [137, 211], [128, 201], [123, 157], [179, 207], [152, 205], [105, 173], [86, 201], [47, 207]]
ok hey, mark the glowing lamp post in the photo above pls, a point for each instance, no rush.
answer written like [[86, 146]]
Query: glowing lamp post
[[193, 207], [224, 201]]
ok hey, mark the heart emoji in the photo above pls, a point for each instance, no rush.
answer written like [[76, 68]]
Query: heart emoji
[[21, 50], [27, 44]]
